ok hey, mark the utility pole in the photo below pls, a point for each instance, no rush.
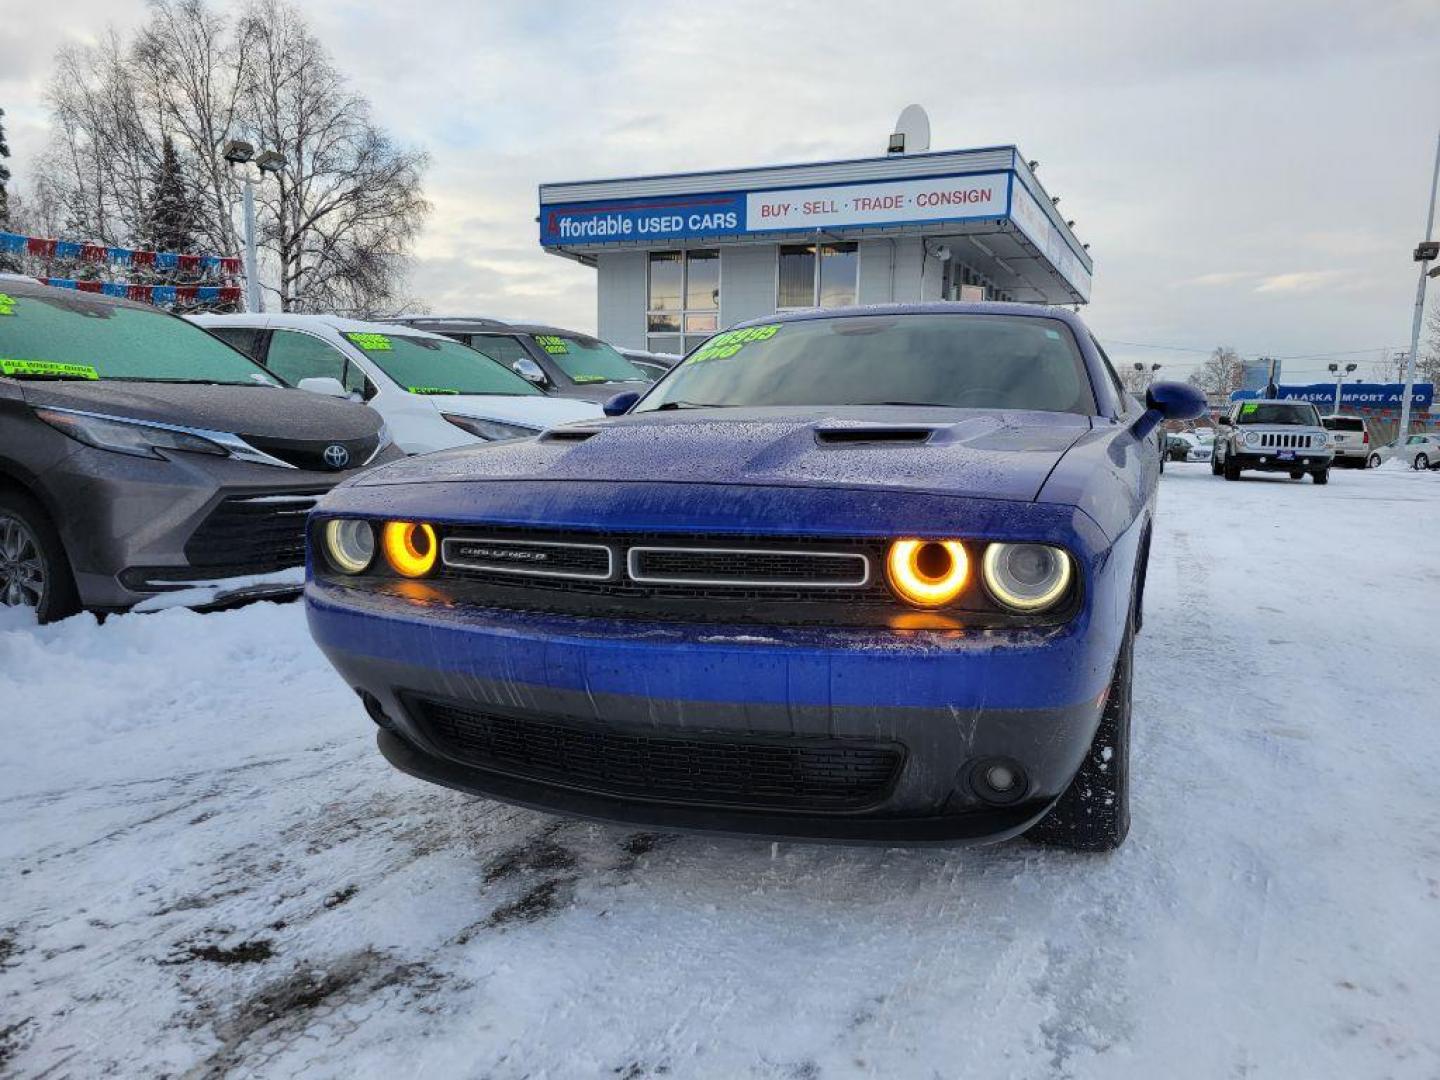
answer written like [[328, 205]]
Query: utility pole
[[1339, 381], [240, 153], [1426, 252]]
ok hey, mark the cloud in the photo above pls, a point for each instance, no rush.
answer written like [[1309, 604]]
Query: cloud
[[1187, 140]]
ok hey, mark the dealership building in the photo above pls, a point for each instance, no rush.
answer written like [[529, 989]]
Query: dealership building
[[679, 256]]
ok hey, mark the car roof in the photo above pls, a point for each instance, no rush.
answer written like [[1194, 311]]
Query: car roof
[[19, 285], [937, 307], [477, 324], [282, 320]]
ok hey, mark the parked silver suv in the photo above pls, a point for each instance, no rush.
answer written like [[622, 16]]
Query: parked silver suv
[[1273, 436]]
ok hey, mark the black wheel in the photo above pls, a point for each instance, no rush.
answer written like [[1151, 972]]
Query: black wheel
[[1231, 468], [34, 572], [1297, 474], [1094, 812], [1373, 462], [1422, 461], [1214, 464], [1321, 476]]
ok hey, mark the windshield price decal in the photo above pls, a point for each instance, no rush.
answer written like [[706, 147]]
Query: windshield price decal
[[731, 342], [7, 304], [587, 378], [48, 367], [1246, 410], [429, 389], [370, 342], [552, 344]]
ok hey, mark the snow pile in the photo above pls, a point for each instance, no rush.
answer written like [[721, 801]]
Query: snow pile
[[208, 868]]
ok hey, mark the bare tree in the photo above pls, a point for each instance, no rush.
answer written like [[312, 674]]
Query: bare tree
[[348, 203], [1220, 374], [347, 206]]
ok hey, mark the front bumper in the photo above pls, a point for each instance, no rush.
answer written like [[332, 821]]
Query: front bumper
[[1271, 461], [643, 695], [127, 524]]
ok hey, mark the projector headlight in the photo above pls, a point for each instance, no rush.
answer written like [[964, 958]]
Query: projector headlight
[[928, 573], [1026, 577], [1252, 438], [410, 547], [349, 544]]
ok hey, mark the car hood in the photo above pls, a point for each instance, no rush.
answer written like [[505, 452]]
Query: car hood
[[601, 392], [981, 453], [266, 412], [528, 409]]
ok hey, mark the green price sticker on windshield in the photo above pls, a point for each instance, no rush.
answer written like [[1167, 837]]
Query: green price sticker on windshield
[[588, 378], [723, 346], [370, 342], [430, 389], [552, 344], [48, 367], [1246, 410], [7, 304]]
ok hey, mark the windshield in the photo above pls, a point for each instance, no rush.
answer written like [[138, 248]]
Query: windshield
[[959, 361], [1279, 412], [586, 360], [424, 365], [76, 337], [1343, 423]]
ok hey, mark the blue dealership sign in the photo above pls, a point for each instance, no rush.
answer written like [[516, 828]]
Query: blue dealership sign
[[1354, 396], [637, 220]]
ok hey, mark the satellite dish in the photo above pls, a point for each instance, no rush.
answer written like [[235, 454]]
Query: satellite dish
[[912, 132]]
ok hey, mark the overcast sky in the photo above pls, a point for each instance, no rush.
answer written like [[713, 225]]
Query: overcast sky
[[1250, 173]]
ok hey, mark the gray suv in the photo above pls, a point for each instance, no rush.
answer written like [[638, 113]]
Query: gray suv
[[1272, 436], [144, 462]]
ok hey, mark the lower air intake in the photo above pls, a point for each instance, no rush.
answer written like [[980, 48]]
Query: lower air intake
[[784, 773]]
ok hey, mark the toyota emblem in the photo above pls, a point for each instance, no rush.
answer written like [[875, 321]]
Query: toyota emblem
[[336, 456]]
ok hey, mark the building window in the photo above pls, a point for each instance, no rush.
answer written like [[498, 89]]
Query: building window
[[683, 308], [810, 275]]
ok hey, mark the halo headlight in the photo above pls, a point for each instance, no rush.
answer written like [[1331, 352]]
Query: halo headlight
[[927, 573], [410, 547], [1026, 577], [349, 544]]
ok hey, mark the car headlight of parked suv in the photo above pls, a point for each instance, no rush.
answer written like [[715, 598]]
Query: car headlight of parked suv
[[144, 438], [491, 430], [1252, 438]]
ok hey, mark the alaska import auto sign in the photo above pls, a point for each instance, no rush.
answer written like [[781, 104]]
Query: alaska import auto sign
[[1354, 395], [686, 217]]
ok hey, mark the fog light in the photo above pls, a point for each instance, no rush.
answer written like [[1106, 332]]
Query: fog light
[[410, 547], [998, 781], [1000, 777]]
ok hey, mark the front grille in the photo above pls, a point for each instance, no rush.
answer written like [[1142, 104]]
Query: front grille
[[774, 773], [753, 567], [253, 534], [528, 558], [310, 454], [1275, 440]]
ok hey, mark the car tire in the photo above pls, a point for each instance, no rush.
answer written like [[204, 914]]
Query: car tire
[[1321, 476], [1373, 462], [1214, 465], [1422, 461], [34, 571], [1231, 469], [1094, 812]]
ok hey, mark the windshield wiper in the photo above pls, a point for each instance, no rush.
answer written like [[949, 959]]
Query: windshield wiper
[[690, 405], [35, 376], [916, 404]]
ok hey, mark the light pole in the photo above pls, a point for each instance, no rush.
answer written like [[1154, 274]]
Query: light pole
[[1340, 379], [239, 152], [1149, 372], [1424, 254]]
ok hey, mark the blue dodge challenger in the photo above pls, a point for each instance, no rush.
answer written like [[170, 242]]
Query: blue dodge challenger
[[862, 574]]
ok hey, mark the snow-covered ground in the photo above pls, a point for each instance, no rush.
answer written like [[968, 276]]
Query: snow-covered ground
[[206, 868]]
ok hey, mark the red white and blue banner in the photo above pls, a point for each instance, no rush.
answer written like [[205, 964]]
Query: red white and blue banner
[[47, 248], [154, 294]]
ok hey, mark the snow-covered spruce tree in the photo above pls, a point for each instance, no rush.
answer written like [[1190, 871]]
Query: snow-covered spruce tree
[[4, 173], [171, 216]]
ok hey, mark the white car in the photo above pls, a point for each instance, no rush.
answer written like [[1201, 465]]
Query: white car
[[1419, 451], [432, 392]]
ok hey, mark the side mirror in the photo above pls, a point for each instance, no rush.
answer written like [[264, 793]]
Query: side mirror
[[324, 384], [530, 371], [621, 403], [1175, 400]]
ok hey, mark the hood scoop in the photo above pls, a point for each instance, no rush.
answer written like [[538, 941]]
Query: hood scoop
[[568, 435], [850, 436]]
